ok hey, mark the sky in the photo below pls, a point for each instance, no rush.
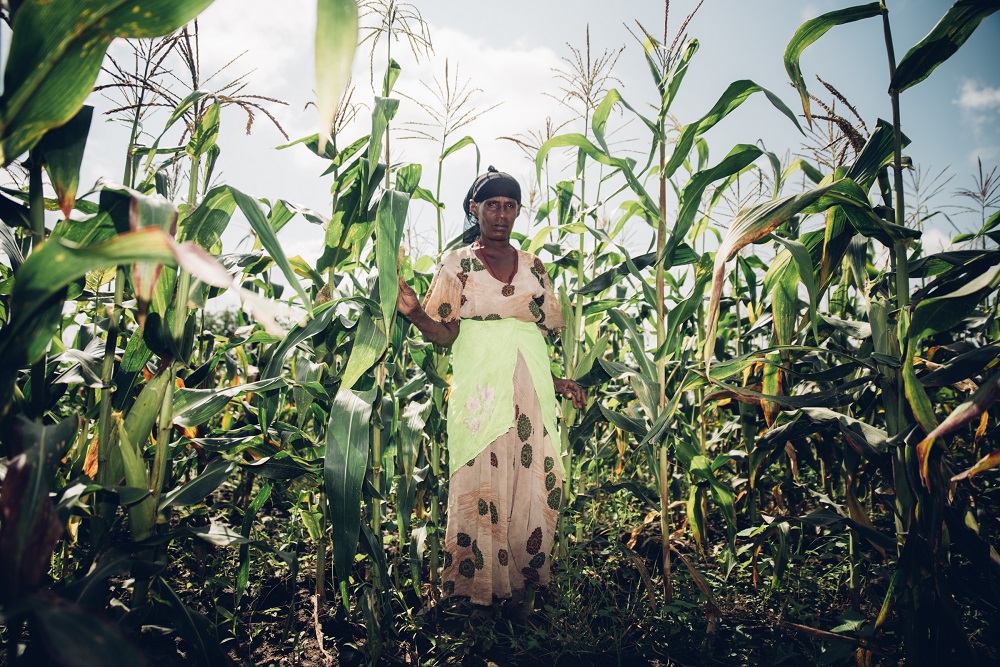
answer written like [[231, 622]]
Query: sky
[[508, 55]]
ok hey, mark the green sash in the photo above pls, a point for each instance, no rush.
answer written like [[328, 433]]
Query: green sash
[[481, 404]]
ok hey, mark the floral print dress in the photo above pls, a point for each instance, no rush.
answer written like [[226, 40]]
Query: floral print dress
[[503, 504]]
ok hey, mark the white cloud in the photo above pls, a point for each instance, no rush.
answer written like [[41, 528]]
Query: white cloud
[[978, 98]]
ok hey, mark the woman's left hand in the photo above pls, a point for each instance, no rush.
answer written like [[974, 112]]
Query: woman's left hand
[[570, 390]]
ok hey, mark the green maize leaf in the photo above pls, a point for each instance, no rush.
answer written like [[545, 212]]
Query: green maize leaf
[[459, 145], [967, 365], [772, 384], [347, 445], [944, 39], [62, 150], [50, 269], [875, 154], [596, 351], [806, 421], [206, 131], [686, 309], [321, 319], [280, 467], [243, 572], [738, 158], [390, 219], [208, 480], [251, 209], [627, 325], [411, 434], [798, 164], [751, 224], [701, 470], [735, 95], [182, 108], [812, 30], [56, 53], [384, 111], [70, 634], [307, 374], [141, 517], [645, 387], [952, 298], [600, 121], [588, 149], [677, 77], [806, 274], [784, 293], [624, 422], [197, 406], [195, 628], [209, 220], [370, 342], [30, 527], [695, 515], [916, 395], [683, 255], [336, 41]]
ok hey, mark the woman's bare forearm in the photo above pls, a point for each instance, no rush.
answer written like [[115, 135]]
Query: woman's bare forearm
[[439, 333]]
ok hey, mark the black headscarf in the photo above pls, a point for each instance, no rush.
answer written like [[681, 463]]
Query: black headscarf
[[491, 184]]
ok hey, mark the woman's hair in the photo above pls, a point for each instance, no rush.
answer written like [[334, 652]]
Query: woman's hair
[[491, 184]]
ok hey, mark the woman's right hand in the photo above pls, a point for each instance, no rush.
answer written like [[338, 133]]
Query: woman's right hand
[[407, 302]]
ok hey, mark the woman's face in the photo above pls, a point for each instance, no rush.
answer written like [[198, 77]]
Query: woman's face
[[496, 217]]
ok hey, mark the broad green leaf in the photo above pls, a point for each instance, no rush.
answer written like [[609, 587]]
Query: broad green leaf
[[751, 224], [627, 325], [196, 630], [336, 41], [807, 274], [593, 152], [603, 112], [142, 516], [735, 95], [459, 145], [384, 111], [62, 149], [944, 39], [208, 480], [209, 220], [321, 319], [53, 266], [197, 406], [255, 216], [370, 342], [738, 158], [390, 219], [243, 572], [940, 312], [56, 53], [206, 131], [348, 438], [701, 470], [812, 30]]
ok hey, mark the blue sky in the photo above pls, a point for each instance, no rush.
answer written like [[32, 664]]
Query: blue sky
[[509, 51]]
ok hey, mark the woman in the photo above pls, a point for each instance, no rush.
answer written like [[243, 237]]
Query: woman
[[491, 303]]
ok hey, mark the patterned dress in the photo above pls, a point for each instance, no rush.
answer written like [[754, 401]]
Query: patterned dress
[[503, 504]]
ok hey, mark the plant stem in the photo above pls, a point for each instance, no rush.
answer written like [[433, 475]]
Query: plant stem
[[36, 214]]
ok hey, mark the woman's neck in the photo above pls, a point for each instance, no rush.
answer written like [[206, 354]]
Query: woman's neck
[[494, 248]]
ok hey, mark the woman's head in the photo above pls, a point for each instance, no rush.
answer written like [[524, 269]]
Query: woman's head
[[492, 193]]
